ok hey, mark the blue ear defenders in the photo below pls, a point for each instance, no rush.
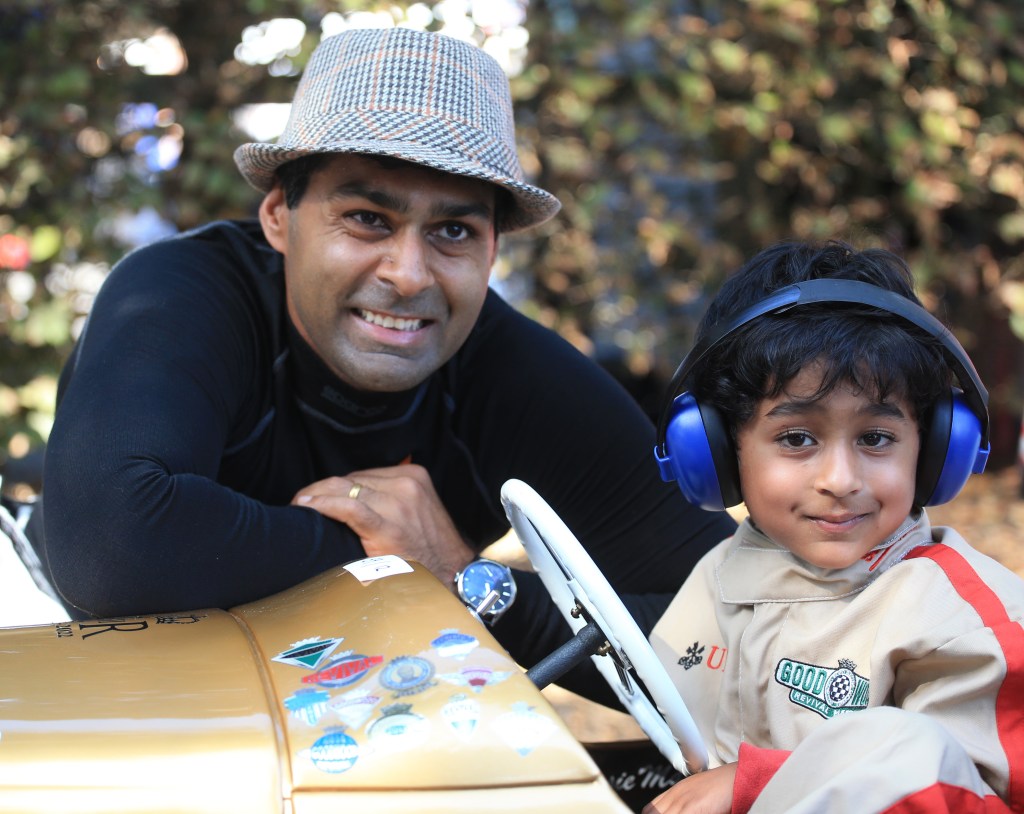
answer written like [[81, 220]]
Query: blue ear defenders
[[695, 449]]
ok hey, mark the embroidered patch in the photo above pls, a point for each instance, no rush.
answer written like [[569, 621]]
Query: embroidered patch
[[694, 656], [824, 690]]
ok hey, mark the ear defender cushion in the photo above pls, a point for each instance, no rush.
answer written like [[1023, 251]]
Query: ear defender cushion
[[950, 451], [699, 455]]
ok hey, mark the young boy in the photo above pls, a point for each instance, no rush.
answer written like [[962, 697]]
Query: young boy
[[838, 653]]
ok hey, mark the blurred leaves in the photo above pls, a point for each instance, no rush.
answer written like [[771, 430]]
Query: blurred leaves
[[93, 148], [725, 126]]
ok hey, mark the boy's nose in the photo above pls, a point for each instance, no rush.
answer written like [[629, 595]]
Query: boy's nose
[[838, 473]]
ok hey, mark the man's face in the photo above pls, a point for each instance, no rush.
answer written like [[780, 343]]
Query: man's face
[[386, 268]]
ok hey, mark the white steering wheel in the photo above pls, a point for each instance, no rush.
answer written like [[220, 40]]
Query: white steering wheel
[[572, 579]]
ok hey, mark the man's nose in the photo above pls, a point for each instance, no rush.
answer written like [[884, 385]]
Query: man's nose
[[404, 264], [838, 471]]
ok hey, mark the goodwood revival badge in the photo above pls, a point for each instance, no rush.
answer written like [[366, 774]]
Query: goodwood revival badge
[[826, 691]]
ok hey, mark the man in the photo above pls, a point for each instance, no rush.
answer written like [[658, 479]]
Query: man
[[255, 402]]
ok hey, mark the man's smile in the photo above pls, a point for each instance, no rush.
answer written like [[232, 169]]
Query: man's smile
[[388, 321]]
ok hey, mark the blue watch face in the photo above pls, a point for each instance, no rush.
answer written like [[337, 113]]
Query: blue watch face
[[481, 578]]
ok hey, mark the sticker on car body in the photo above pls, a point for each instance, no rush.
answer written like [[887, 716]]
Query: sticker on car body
[[335, 752], [407, 675], [308, 653], [371, 568], [346, 669], [453, 644], [308, 705]]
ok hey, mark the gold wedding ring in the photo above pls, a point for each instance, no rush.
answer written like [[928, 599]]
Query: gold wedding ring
[[355, 490]]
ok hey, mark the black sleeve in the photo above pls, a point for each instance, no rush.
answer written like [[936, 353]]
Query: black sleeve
[[549, 416], [135, 521]]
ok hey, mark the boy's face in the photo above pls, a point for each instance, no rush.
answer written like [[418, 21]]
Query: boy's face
[[829, 479]]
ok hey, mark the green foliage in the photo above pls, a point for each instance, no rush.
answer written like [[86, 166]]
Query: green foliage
[[72, 168], [716, 128], [681, 136]]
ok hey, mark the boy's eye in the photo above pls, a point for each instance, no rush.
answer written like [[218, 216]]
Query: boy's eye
[[796, 439], [875, 439]]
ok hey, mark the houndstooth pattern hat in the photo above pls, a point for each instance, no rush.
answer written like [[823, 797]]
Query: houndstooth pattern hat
[[412, 95]]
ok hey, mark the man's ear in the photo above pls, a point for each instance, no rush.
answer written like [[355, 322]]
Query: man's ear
[[495, 248], [274, 214]]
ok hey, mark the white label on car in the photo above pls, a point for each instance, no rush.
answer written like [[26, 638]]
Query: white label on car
[[376, 567]]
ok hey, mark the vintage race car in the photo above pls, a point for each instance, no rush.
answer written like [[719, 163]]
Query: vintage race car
[[368, 688]]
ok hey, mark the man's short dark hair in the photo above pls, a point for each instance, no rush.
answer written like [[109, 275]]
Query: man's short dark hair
[[295, 176]]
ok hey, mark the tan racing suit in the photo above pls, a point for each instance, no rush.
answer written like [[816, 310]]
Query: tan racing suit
[[896, 684]]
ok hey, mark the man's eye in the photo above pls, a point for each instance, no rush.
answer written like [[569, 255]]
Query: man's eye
[[366, 218], [455, 231]]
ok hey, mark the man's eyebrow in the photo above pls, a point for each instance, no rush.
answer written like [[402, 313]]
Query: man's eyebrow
[[387, 200], [475, 209], [357, 189]]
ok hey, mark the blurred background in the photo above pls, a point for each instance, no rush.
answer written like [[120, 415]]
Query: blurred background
[[681, 136]]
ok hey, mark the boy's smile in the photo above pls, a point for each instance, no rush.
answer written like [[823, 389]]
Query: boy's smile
[[829, 478]]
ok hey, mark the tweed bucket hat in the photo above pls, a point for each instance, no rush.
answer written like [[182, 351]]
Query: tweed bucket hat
[[413, 95]]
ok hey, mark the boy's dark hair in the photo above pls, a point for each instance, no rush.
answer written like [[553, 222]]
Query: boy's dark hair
[[295, 176], [880, 354]]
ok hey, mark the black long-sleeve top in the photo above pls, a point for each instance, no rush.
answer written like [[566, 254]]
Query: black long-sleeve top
[[191, 412]]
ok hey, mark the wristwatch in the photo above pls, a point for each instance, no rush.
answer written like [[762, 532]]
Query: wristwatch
[[487, 588]]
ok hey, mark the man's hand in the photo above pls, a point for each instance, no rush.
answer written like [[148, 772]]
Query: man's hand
[[395, 510], [707, 792]]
